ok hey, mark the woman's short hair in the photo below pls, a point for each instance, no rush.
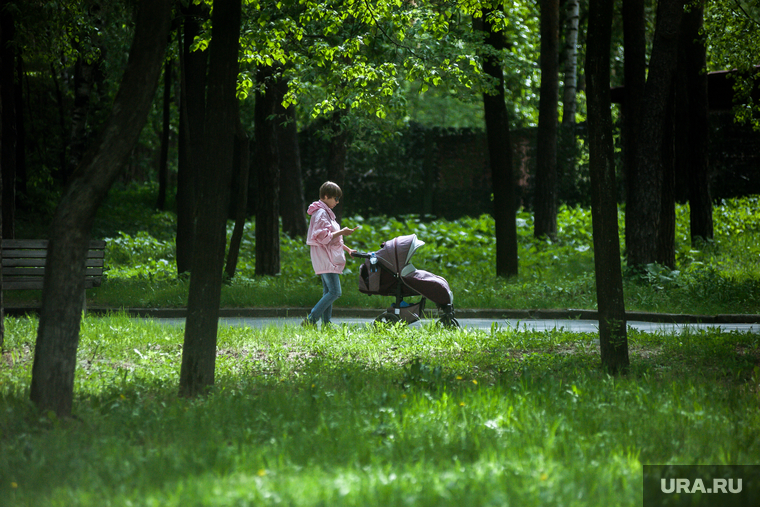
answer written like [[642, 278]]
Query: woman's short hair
[[330, 189]]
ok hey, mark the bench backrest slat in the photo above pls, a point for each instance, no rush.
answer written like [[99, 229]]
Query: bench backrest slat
[[23, 263], [40, 263], [42, 244], [36, 284], [41, 254], [40, 272]]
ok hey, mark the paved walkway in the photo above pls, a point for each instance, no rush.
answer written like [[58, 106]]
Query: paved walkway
[[578, 321], [572, 325], [575, 326]]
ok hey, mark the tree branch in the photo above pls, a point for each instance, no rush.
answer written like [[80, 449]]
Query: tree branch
[[746, 14], [390, 39]]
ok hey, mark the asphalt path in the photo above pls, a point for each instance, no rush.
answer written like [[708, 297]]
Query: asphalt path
[[571, 325]]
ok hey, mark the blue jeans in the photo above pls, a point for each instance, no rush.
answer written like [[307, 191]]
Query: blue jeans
[[330, 292]]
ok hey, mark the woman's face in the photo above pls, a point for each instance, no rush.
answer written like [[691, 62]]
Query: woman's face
[[331, 201]]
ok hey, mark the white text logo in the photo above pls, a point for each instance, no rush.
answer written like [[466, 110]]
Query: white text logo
[[698, 486]]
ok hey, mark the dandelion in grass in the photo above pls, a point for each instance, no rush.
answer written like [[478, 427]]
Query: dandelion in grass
[[544, 476], [261, 472], [462, 404]]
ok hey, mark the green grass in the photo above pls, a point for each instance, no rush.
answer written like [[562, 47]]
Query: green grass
[[364, 416]]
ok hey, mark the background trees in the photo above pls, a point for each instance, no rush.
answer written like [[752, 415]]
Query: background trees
[[649, 210], [193, 76], [393, 43], [353, 76], [692, 111], [546, 145], [499, 147]]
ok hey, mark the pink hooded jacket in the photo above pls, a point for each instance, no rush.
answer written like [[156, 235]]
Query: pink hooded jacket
[[327, 251]]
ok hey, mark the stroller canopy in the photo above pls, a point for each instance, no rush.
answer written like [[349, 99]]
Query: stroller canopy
[[397, 253]]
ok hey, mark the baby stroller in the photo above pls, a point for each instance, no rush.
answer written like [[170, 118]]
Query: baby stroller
[[388, 272]]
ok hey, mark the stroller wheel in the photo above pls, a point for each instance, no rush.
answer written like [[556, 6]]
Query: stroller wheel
[[448, 321], [387, 318]]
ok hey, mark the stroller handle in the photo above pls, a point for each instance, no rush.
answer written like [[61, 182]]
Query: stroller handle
[[363, 255]]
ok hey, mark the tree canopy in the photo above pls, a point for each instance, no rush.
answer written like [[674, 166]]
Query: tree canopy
[[732, 30], [356, 55]]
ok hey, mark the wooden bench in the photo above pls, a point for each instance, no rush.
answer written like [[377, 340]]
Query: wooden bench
[[24, 263]]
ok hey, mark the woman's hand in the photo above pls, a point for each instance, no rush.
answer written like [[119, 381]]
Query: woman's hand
[[347, 231]]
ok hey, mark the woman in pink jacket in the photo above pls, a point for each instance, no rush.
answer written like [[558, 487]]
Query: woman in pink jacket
[[325, 237]]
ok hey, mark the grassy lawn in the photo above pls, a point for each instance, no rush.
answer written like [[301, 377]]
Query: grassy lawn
[[363, 416]]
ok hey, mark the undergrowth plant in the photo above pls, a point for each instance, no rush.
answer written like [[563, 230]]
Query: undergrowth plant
[[720, 276]]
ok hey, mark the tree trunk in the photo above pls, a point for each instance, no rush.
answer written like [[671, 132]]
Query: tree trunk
[[192, 112], [61, 124], [666, 234], [163, 159], [63, 292], [8, 98], [215, 155], [292, 204], [21, 172], [336, 156], [545, 203], [268, 176], [84, 77], [499, 154], [571, 63], [609, 279], [692, 151], [241, 164], [634, 41], [644, 205], [566, 150]]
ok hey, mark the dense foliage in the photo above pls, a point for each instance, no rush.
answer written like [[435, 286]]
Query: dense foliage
[[393, 65], [725, 23], [374, 59], [718, 277]]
